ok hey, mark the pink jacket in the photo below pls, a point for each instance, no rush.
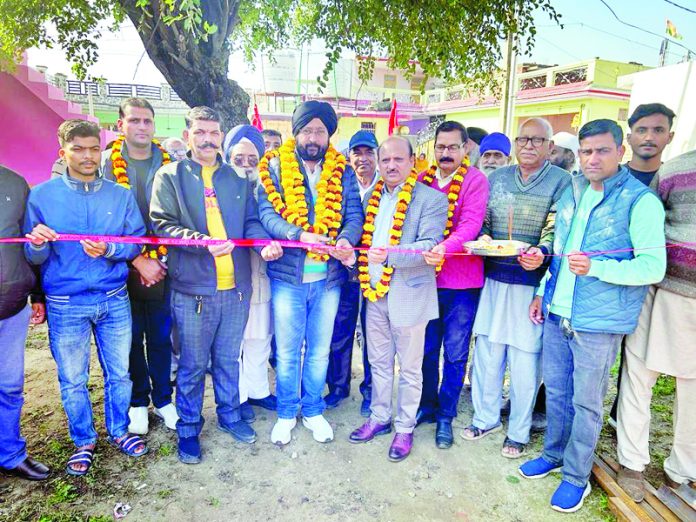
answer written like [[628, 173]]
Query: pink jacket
[[461, 272]]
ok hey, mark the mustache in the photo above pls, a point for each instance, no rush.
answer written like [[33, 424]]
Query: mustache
[[208, 145], [445, 159], [648, 144]]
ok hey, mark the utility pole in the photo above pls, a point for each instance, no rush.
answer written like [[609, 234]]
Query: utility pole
[[508, 101], [663, 52]]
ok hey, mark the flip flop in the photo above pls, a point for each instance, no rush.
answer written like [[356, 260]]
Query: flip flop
[[128, 445], [85, 456], [509, 443], [478, 433]]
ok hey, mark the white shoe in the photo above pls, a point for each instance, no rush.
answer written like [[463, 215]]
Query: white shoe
[[320, 428], [168, 414], [138, 420], [282, 431]]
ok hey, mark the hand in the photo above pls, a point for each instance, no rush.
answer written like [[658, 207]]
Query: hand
[[377, 256], [151, 271], [435, 256], [41, 234], [313, 239], [579, 263], [222, 249], [93, 249], [531, 259], [343, 251], [272, 251], [38, 313], [485, 237], [535, 313]]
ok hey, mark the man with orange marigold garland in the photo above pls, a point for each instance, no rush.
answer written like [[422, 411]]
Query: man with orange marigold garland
[[307, 194], [459, 278], [132, 162], [400, 214]]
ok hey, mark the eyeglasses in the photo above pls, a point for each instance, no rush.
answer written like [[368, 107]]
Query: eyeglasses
[[317, 132], [537, 141], [448, 148], [245, 161]]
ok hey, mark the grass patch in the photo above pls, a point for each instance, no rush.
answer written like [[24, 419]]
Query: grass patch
[[62, 492], [665, 386], [166, 449]]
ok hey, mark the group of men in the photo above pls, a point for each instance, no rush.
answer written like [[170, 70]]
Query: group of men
[[556, 313]]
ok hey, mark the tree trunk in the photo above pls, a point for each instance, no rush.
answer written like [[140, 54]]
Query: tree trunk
[[196, 70]]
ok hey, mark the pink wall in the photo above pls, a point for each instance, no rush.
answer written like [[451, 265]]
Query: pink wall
[[28, 142]]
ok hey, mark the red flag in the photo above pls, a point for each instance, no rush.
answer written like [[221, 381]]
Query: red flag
[[256, 118], [393, 118]]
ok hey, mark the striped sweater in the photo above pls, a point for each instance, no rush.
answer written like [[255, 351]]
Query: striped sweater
[[675, 183], [533, 213]]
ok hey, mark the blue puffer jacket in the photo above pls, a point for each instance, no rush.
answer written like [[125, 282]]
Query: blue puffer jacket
[[598, 306], [290, 267], [69, 206]]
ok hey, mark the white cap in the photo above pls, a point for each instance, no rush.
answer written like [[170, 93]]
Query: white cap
[[567, 141]]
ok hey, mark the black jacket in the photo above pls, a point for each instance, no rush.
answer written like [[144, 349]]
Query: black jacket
[[17, 278], [177, 209]]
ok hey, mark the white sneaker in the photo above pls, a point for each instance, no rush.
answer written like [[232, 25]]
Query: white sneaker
[[320, 428], [138, 420], [168, 414], [282, 431]]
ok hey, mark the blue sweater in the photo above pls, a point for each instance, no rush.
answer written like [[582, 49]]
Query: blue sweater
[[70, 206]]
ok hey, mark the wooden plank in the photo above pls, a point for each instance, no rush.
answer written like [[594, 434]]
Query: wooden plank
[[687, 494], [604, 478], [622, 511], [676, 504], [650, 495]]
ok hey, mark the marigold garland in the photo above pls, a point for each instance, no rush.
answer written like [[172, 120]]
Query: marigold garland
[[452, 195], [402, 204], [292, 204], [120, 171]]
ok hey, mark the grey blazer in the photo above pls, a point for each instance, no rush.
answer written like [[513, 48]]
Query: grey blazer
[[412, 297]]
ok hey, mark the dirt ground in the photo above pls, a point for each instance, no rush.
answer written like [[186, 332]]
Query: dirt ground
[[302, 481]]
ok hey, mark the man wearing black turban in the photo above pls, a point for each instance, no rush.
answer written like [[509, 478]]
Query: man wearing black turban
[[305, 292]]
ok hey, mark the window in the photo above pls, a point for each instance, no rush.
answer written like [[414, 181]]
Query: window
[[368, 126], [572, 76], [390, 81], [533, 82]]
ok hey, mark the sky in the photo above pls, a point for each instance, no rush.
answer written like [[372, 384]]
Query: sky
[[589, 30]]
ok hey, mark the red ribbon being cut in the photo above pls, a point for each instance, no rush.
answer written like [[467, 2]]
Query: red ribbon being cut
[[250, 243]]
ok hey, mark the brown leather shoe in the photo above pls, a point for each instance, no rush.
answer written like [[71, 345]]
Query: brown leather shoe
[[631, 482], [30, 469], [671, 483]]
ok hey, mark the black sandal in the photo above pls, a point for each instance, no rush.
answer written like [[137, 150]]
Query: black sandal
[[509, 443], [85, 456]]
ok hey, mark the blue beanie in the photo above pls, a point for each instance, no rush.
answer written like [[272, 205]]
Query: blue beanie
[[240, 132], [495, 141]]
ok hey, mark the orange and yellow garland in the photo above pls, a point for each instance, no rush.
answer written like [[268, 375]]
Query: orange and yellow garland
[[402, 204], [120, 171], [292, 204], [452, 194]]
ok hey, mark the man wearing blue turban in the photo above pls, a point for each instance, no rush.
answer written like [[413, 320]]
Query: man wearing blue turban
[[305, 290]]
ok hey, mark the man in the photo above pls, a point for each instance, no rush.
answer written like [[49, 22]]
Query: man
[[132, 162], [202, 197], [322, 205], [564, 153], [476, 136], [663, 342], [272, 139], [175, 147], [607, 227], [85, 286], [651, 132], [401, 214], [521, 205], [16, 282], [650, 126], [363, 158], [459, 280], [242, 148], [495, 152]]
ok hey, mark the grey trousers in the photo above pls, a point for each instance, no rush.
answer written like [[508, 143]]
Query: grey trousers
[[385, 342]]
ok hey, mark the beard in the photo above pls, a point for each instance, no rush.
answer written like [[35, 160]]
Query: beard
[[307, 156], [248, 173]]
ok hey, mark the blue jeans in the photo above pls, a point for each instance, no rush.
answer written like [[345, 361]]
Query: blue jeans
[[13, 334], [152, 323], [341, 357], [70, 325], [576, 374], [210, 328], [453, 330], [302, 314]]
